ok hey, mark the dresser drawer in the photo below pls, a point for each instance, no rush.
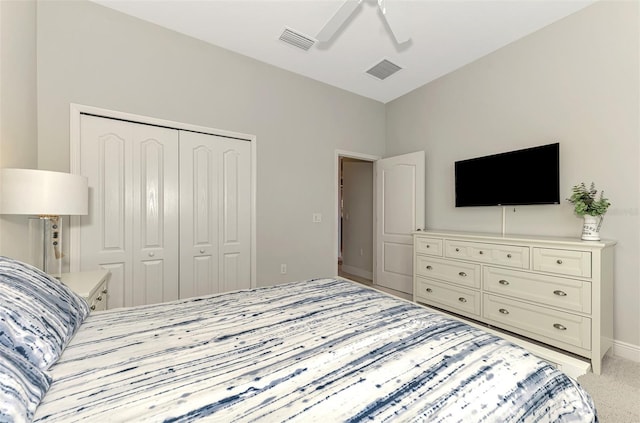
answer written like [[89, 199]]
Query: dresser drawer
[[467, 274], [505, 255], [568, 294], [564, 262], [563, 327], [98, 300], [448, 296], [431, 246]]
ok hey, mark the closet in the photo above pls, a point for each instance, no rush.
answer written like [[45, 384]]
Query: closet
[[169, 210]]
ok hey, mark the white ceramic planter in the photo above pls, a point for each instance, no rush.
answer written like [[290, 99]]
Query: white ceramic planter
[[591, 228]]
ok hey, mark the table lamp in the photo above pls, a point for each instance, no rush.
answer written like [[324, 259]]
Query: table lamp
[[47, 195]]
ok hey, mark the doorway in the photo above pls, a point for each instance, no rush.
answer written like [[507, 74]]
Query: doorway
[[356, 223], [398, 209]]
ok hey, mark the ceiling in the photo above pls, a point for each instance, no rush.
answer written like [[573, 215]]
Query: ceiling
[[445, 34]]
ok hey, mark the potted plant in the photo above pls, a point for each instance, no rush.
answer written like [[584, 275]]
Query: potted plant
[[588, 204]]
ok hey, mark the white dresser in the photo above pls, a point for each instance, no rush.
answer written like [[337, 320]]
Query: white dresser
[[558, 291], [90, 285]]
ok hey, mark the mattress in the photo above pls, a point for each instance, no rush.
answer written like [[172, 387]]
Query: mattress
[[317, 350]]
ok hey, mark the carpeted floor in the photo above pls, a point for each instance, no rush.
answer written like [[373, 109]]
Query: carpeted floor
[[616, 391]]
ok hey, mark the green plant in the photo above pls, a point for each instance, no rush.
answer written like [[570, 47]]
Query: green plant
[[587, 201]]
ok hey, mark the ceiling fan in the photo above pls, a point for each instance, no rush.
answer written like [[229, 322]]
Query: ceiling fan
[[391, 16]]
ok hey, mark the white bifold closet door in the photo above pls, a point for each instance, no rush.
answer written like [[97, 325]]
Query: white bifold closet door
[[132, 226], [169, 211], [215, 181]]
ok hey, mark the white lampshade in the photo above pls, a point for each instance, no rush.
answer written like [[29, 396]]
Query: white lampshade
[[43, 193]]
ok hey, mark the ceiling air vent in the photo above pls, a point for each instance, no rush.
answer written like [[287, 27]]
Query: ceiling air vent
[[383, 69], [296, 39]]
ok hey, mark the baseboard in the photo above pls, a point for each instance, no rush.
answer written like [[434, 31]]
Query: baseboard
[[356, 271], [626, 351]]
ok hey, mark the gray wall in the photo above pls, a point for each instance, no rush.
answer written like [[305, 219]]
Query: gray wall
[[575, 82], [91, 55], [18, 135]]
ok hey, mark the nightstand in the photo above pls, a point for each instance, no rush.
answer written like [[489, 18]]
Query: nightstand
[[90, 285]]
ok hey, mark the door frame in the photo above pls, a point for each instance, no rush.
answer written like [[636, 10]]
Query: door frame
[[75, 112], [336, 208]]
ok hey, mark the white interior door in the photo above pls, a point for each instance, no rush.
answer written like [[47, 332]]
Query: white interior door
[[132, 226], [400, 210], [215, 214]]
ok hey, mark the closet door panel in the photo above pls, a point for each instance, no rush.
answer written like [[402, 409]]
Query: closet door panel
[[149, 287], [199, 270], [232, 272], [155, 211], [105, 161], [235, 204], [132, 225], [205, 278], [112, 193]]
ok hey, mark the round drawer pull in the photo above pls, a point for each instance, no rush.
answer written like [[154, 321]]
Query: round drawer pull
[[559, 326], [99, 298], [462, 299], [429, 268], [481, 252], [559, 261], [503, 282], [202, 251], [560, 293], [503, 311], [93, 307], [152, 254], [508, 255], [104, 291], [429, 290], [428, 246], [457, 250], [462, 274]]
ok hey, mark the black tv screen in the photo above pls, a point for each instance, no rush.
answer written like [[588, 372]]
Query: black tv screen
[[529, 176]]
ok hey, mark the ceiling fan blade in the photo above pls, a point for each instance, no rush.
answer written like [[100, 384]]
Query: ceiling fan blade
[[337, 20], [396, 23]]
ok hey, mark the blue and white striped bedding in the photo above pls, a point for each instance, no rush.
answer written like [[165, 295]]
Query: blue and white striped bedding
[[321, 350], [39, 315], [22, 386]]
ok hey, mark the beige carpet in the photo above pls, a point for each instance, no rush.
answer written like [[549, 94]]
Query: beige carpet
[[616, 391]]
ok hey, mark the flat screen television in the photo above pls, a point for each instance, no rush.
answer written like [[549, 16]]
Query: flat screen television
[[529, 176]]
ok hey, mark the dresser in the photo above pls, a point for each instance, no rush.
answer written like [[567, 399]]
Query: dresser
[[90, 285], [557, 291]]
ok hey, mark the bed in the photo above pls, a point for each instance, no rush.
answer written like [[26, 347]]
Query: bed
[[324, 349]]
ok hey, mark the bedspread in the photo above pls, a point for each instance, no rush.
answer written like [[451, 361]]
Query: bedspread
[[319, 350]]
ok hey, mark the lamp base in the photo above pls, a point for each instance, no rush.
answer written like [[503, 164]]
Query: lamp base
[[49, 245]]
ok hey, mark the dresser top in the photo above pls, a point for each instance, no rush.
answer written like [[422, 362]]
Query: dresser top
[[481, 236], [84, 283]]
